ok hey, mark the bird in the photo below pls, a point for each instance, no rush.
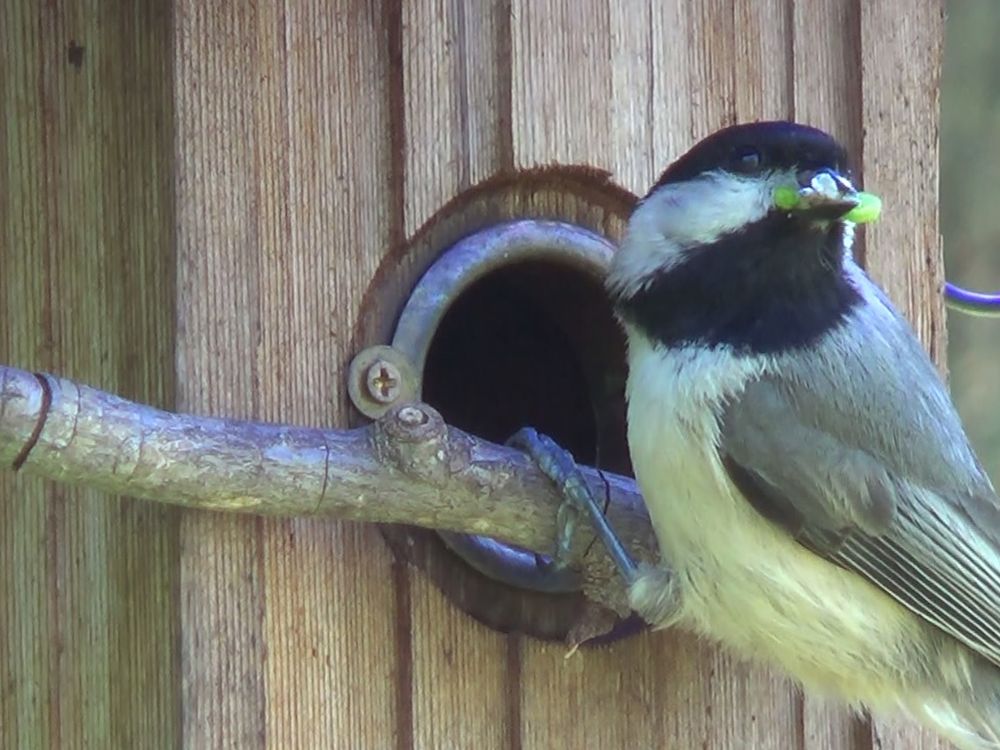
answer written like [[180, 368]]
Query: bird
[[817, 503]]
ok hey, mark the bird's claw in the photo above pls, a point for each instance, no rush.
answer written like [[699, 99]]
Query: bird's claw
[[558, 464]]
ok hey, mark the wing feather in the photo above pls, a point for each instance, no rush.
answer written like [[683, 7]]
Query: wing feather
[[868, 466]]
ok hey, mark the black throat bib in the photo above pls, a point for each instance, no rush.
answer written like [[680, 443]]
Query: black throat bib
[[774, 286]]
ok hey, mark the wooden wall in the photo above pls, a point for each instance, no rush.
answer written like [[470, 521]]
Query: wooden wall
[[194, 198], [89, 621]]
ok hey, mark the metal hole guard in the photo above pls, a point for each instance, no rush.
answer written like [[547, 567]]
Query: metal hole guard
[[378, 373]]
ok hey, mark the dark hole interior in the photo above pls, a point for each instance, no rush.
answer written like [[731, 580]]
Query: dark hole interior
[[535, 344]]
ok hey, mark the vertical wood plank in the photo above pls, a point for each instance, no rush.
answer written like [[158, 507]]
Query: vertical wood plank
[[673, 130], [284, 209], [630, 107], [763, 74], [455, 91], [580, 89], [901, 73], [27, 699], [462, 683], [897, 734], [827, 78], [334, 613], [764, 90], [560, 82], [708, 38], [901, 69], [826, 68], [218, 325], [89, 614], [623, 706]]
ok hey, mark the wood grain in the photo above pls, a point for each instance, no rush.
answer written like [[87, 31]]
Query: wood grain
[[900, 76], [453, 90], [462, 680], [826, 69], [270, 156], [455, 86], [87, 585], [560, 82], [901, 72], [218, 325], [332, 618], [283, 168]]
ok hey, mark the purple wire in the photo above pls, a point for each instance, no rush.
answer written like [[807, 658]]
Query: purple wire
[[973, 303]]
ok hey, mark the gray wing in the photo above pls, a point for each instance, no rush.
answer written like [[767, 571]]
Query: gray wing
[[855, 448]]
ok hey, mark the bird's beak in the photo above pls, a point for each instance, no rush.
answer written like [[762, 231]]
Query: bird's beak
[[825, 195]]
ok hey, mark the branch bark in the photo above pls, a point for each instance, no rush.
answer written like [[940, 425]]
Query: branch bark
[[408, 467]]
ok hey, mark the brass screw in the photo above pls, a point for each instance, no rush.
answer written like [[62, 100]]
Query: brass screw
[[383, 381]]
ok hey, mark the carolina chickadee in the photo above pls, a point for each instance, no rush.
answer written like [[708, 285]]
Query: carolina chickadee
[[815, 498]]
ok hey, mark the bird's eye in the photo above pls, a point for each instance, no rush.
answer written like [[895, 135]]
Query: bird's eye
[[746, 160]]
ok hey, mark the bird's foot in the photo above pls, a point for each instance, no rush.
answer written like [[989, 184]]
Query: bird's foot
[[652, 589], [557, 464]]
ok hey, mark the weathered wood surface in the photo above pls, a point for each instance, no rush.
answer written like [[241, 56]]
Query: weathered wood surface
[[88, 584], [267, 156]]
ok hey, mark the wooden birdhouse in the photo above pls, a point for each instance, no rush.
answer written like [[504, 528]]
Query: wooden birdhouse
[[215, 207]]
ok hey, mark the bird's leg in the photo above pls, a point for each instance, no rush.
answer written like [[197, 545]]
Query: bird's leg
[[557, 464], [652, 589]]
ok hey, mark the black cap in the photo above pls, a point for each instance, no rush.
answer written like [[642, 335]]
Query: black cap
[[759, 147]]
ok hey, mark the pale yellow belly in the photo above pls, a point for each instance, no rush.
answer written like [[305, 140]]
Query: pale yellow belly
[[745, 582]]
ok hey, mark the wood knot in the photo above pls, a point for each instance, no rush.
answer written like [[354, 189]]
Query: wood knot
[[412, 416], [413, 423], [413, 438]]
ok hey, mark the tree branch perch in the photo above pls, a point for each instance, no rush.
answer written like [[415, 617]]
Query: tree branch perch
[[408, 467]]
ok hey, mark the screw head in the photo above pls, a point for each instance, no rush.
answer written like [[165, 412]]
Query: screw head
[[380, 376], [383, 381]]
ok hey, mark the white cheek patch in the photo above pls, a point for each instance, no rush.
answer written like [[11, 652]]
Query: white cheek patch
[[702, 210], [680, 216]]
